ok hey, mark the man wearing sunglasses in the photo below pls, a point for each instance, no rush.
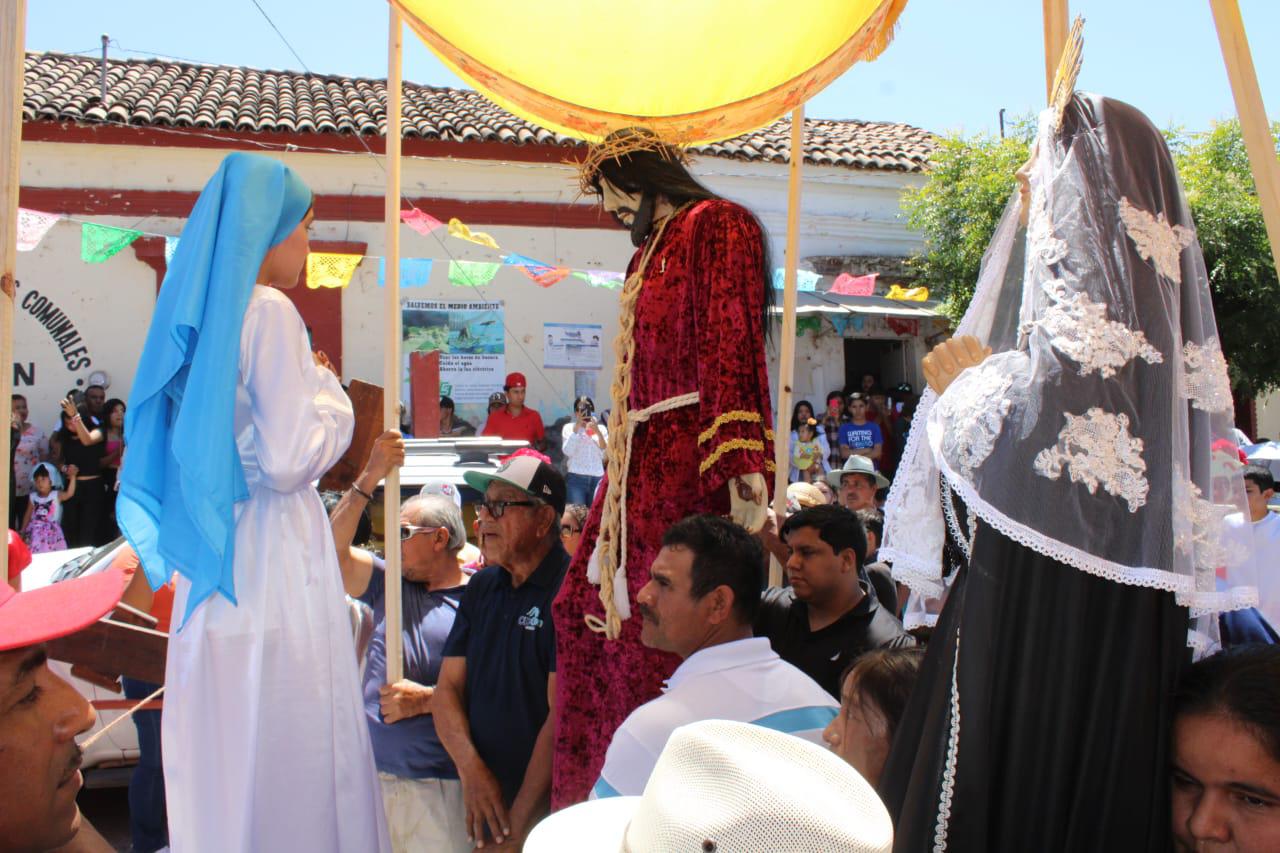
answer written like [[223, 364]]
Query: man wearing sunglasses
[[420, 789], [494, 704]]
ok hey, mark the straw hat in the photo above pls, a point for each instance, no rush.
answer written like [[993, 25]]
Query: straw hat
[[858, 465], [726, 787]]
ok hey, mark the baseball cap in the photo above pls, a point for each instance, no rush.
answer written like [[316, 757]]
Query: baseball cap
[[441, 487], [515, 380], [528, 474], [50, 612], [857, 465], [725, 786], [497, 397]]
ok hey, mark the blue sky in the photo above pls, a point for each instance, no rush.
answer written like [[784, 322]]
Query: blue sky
[[950, 68]]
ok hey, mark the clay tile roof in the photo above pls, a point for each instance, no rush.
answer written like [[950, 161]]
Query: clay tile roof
[[164, 93]]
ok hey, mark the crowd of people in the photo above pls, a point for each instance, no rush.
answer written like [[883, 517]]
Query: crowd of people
[[63, 482], [1068, 513]]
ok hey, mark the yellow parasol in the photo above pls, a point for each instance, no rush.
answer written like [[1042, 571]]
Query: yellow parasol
[[688, 71]]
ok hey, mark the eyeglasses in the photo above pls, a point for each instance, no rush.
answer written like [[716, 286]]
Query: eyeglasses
[[567, 530], [408, 531], [497, 508]]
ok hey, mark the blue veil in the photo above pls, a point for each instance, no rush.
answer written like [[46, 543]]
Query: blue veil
[[183, 477]]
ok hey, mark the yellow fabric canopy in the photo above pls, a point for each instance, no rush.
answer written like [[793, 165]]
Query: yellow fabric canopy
[[690, 70]]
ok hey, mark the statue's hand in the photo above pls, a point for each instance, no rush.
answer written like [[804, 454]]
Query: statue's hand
[[748, 501], [949, 358]]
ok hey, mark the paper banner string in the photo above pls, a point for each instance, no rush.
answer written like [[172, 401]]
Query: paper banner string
[[839, 323], [543, 275], [423, 223], [458, 229], [908, 294], [32, 226], [600, 278], [414, 272], [99, 242], [806, 280], [330, 269], [472, 273], [170, 249], [854, 285]]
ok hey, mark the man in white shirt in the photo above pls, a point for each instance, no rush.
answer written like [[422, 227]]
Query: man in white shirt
[[700, 603]]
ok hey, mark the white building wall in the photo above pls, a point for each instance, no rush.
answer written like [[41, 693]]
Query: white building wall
[[844, 212]]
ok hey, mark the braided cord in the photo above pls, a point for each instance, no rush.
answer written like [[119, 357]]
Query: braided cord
[[612, 538]]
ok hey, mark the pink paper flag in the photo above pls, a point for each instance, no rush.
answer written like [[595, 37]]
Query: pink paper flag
[[32, 226], [423, 223], [850, 285]]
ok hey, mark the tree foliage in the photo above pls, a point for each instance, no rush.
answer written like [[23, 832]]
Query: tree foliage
[[970, 181], [1216, 177]]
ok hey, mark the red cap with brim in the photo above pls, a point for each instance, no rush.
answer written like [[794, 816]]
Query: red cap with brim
[[28, 618], [515, 380]]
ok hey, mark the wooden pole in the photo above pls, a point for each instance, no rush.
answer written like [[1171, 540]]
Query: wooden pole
[[1056, 25], [391, 351], [1253, 116], [787, 353], [13, 28]]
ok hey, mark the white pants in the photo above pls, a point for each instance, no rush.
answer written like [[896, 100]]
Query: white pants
[[425, 815]]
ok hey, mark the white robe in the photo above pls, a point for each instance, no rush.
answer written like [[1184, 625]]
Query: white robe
[[264, 739]]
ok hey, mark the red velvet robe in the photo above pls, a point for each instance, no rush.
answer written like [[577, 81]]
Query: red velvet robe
[[698, 328]]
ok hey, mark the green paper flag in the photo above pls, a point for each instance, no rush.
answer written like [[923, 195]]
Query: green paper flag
[[99, 242], [806, 324], [472, 273]]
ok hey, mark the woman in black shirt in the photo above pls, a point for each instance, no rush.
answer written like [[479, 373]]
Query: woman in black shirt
[[84, 517]]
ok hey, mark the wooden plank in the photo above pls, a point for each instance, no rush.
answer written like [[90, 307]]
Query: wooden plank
[[391, 340], [1056, 16], [787, 356], [366, 400], [1253, 116], [13, 28], [115, 648]]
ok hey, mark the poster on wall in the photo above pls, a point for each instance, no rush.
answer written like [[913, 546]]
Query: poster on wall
[[576, 346], [470, 338]]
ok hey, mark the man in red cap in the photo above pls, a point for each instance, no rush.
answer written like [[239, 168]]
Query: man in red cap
[[41, 714], [516, 420]]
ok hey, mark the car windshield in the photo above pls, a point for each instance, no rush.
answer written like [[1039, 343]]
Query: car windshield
[[86, 564]]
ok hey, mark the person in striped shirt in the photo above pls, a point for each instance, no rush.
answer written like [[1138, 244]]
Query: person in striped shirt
[[700, 603]]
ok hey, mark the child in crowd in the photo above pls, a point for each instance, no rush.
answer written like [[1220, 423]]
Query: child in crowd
[[807, 454], [41, 525]]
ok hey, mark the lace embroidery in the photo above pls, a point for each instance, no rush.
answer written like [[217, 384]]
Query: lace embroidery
[[1206, 383], [974, 409], [1042, 244], [1199, 524], [1078, 328], [953, 756], [1097, 450], [953, 523], [1156, 240]]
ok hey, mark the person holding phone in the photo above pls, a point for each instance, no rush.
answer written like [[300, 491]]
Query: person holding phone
[[583, 441]]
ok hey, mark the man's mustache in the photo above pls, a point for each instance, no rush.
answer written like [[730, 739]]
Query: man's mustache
[[646, 613], [77, 759]]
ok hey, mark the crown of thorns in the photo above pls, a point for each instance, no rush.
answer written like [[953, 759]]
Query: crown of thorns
[[619, 144]]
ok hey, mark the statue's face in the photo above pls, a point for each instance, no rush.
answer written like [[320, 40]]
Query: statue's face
[[621, 205]]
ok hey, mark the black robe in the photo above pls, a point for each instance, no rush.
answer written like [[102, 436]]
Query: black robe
[[1064, 684]]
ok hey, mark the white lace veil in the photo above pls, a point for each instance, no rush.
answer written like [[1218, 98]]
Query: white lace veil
[[1087, 436]]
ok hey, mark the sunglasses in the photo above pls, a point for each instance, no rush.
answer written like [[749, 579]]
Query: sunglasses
[[497, 508], [408, 531]]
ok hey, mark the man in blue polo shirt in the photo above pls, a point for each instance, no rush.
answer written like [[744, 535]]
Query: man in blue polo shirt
[[494, 702], [421, 793]]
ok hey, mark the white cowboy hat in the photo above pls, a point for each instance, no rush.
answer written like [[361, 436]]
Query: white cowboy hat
[[858, 465], [726, 787]]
